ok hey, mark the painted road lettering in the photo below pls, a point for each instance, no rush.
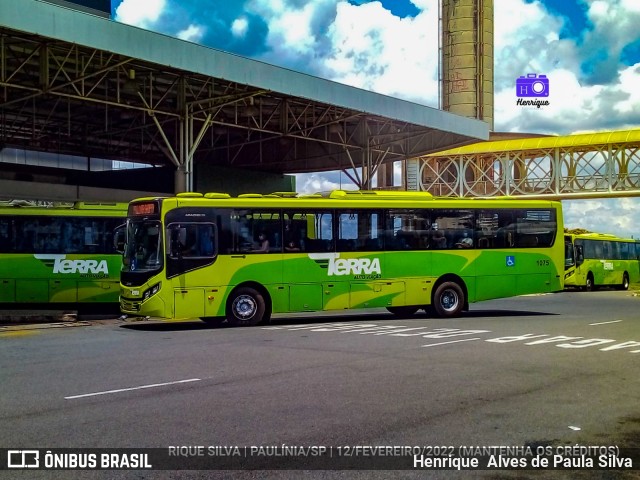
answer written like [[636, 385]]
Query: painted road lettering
[[528, 339], [579, 342]]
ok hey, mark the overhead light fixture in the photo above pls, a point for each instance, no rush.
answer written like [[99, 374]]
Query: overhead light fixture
[[251, 110], [335, 128], [130, 85]]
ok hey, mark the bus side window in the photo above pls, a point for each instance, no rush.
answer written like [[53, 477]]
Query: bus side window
[[6, 239]]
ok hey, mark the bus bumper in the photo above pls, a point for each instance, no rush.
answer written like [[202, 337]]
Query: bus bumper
[[152, 307]]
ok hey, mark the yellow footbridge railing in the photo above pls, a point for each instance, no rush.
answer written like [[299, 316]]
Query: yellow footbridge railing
[[605, 164]]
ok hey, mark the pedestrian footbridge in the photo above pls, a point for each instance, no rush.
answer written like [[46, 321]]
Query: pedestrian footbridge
[[605, 164]]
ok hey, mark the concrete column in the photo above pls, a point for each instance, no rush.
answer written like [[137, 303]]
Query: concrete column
[[180, 179]]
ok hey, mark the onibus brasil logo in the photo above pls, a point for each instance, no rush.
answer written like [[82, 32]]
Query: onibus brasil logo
[[60, 264], [360, 268]]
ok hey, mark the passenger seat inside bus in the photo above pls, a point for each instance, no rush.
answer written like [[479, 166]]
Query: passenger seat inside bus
[[438, 240]]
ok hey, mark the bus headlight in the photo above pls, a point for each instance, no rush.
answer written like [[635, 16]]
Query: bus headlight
[[151, 291]]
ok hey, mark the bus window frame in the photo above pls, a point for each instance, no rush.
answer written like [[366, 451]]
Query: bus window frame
[[171, 254]]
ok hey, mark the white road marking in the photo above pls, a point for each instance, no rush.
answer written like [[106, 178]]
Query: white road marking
[[106, 392], [453, 341], [604, 323]]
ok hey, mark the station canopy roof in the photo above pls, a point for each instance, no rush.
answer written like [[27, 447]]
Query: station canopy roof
[[80, 84]]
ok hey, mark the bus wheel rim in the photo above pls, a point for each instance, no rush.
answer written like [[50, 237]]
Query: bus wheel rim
[[449, 300], [244, 307]]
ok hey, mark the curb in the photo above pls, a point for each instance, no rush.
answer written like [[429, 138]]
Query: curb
[[12, 321], [28, 322], [40, 326]]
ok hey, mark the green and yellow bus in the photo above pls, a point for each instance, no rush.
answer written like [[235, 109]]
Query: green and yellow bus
[[593, 260], [60, 256], [241, 259]]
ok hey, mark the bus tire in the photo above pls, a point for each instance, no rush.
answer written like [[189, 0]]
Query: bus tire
[[589, 285], [266, 318], [401, 312], [625, 282], [448, 300], [245, 307]]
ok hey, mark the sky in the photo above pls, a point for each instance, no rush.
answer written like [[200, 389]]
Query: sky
[[589, 50]]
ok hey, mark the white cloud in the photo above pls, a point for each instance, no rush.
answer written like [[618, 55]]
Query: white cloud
[[239, 27], [141, 14], [293, 27], [615, 25], [613, 215], [193, 33], [629, 82], [630, 6], [364, 46], [375, 50]]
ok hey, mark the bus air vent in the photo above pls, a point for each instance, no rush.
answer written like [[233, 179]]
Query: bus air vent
[[189, 195], [216, 195]]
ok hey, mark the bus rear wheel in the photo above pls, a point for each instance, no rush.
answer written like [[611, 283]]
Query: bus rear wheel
[[402, 311], [448, 300], [589, 285], [625, 282], [245, 307]]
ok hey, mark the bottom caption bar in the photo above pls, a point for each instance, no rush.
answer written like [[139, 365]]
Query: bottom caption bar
[[357, 457]]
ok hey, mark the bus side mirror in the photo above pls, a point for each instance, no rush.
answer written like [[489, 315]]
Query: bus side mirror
[[579, 255], [119, 238]]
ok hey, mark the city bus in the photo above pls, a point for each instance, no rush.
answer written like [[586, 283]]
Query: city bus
[[593, 260], [61, 256], [242, 259]]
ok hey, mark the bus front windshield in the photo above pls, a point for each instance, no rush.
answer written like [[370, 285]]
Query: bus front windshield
[[143, 250]]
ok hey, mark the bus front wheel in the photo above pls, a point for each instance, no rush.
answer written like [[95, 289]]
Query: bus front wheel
[[448, 300], [245, 307]]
